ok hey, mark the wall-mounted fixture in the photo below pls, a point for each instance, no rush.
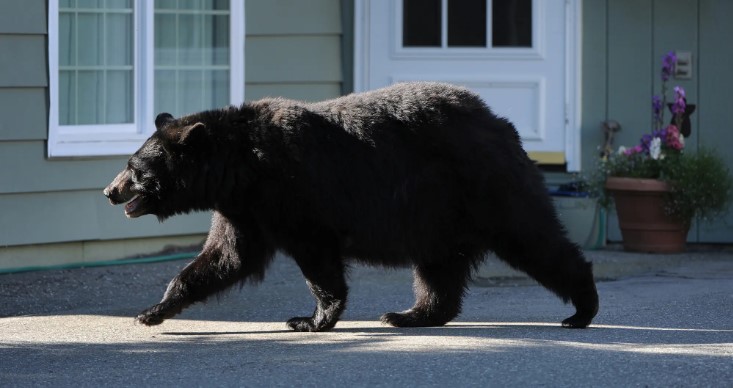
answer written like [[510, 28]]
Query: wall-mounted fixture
[[683, 67]]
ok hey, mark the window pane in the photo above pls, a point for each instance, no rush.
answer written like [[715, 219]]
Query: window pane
[[219, 39], [189, 4], [96, 62], [192, 97], [121, 4], [89, 3], [220, 87], [67, 39], [89, 29], [467, 23], [166, 4], [512, 23], [221, 4], [165, 44], [118, 47], [165, 91], [191, 56], [189, 39], [67, 97], [421, 23], [118, 108], [88, 109]]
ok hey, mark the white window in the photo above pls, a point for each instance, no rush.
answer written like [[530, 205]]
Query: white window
[[115, 64]]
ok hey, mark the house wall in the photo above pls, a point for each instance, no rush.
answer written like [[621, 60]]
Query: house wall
[[623, 43], [294, 49], [52, 211]]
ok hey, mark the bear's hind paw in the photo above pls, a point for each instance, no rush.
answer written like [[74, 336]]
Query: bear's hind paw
[[577, 321], [412, 318]]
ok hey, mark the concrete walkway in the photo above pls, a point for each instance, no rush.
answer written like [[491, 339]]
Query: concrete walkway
[[664, 321]]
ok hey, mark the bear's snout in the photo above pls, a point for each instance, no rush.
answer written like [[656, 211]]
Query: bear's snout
[[119, 190]]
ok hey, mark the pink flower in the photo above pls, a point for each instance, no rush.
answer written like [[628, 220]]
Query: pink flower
[[633, 150], [673, 138]]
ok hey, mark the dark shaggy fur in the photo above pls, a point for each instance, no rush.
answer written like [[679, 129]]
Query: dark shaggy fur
[[420, 175]]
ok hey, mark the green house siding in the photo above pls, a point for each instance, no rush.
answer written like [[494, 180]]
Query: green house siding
[[294, 49], [23, 115], [53, 210], [623, 43], [303, 50], [51, 201]]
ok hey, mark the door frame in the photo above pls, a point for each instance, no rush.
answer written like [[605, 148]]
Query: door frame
[[573, 74]]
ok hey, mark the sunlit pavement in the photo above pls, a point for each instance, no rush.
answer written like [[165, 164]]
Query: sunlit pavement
[[668, 326]]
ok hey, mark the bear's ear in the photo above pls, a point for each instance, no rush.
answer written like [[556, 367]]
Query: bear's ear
[[192, 134], [162, 120]]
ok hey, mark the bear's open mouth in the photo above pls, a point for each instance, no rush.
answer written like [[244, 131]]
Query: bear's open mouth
[[132, 206]]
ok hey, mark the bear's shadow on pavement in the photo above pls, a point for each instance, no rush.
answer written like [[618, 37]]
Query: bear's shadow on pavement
[[598, 334]]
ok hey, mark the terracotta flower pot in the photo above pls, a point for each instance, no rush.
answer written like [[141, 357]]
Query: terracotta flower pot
[[644, 225]]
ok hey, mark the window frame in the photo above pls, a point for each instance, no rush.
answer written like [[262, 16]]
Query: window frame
[[99, 140]]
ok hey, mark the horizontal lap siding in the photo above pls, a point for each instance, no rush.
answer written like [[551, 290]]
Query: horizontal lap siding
[[48, 201], [23, 114], [293, 49], [23, 79], [23, 17], [81, 215]]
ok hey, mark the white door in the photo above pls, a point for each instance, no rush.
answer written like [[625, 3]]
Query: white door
[[520, 56]]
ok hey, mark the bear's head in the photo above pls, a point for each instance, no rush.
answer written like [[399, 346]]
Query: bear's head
[[159, 176]]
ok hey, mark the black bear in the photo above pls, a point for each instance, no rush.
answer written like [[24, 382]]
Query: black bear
[[416, 174]]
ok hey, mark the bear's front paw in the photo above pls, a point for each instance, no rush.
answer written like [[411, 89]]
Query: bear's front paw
[[156, 315]]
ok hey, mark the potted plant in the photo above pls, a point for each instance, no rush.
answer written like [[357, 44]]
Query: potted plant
[[658, 186]]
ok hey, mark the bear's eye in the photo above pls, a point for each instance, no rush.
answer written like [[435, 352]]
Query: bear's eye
[[134, 174]]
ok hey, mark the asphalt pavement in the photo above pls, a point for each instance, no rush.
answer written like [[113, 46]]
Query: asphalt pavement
[[665, 320]]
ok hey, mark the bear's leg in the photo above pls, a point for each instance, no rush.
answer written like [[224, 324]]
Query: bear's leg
[[325, 278], [439, 290], [230, 255], [560, 266]]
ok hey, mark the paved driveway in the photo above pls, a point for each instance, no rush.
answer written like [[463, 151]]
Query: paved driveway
[[671, 327]]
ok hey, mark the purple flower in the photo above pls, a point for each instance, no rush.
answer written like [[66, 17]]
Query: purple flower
[[668, 63], [657, 107], [646, 141], [679, 92], [660, 133], [680, 103]]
